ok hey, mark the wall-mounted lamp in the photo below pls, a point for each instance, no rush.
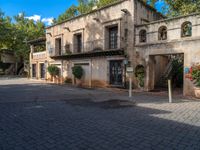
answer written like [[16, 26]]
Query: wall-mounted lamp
[[125, 11], [67, 28], [96, 19], [49, 33]]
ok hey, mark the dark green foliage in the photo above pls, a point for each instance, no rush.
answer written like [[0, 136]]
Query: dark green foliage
[[196, 74], [4, 66], [53, 70], [15, 34], [140, 74], [84, 6], [177, 72], [68, 80], [77, 72], [182, 7]]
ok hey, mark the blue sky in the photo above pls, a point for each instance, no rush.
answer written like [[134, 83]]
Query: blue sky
[[44, 10]]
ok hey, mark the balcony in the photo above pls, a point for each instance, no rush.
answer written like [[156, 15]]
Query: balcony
[[90, 48], [39, 55]]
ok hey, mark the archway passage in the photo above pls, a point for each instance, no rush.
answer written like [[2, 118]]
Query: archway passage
[[168, 67]]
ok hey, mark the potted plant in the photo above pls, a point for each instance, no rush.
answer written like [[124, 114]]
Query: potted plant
[[78, 73], [53, 71], [194, 75], [140, 75], [196, 78]]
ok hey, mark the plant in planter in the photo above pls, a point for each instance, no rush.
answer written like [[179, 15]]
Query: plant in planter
[[194, 75], [140, 74], [53, 71], [78, 73]]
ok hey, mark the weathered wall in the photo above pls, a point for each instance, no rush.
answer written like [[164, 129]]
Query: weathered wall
[[173, 29]]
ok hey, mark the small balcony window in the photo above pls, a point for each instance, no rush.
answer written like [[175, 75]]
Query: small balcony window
[[113, 34], [143, 36], [58, 46], [162, 33], [78, 43], [186, 29], [34, 70]]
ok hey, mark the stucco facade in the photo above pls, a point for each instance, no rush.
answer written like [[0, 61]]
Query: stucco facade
[[105, 41], [94, 30]]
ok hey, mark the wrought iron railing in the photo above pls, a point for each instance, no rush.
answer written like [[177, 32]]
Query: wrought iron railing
[[89, 46]]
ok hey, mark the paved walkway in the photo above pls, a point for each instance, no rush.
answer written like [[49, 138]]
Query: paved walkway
[[40, 116]]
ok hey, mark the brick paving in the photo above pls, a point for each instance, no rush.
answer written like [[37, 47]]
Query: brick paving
[[38, 116]]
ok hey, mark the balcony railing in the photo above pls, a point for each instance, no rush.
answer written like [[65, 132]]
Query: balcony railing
[[39, 55], [89, 46]]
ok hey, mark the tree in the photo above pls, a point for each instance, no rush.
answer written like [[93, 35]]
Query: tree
[[102, 3], [77, 72], [53, 70], [151, 2], [14, 35], [6, 31], [182, 7], [25, 30], [69, 13], [84, 6]]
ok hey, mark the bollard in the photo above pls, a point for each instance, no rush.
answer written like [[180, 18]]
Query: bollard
[[170, 91], [130, 87]]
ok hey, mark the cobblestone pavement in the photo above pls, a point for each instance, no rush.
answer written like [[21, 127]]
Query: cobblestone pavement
[[36, 116]]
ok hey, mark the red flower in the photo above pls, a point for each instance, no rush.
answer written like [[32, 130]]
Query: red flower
[[191, 69]]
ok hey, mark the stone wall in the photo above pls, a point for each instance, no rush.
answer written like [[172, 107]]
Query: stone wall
[[175, 44]]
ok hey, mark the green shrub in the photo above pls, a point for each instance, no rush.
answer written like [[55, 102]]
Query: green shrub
[[4, 66], [140, 74], [53, 70], [196, 74], [77, 72]]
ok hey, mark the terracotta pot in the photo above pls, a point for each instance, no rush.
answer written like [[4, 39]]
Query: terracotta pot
[[197, 92], [78, 82]]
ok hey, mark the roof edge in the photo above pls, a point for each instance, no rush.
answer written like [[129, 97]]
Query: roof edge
[[96, 10], [168, 19]]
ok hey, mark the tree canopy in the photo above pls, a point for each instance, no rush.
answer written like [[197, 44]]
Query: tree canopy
[[182, 7], [84, 6], [15, 34]]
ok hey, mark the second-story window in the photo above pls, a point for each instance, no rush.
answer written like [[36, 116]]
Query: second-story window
[[78, 43], [113, 34], [143, 36], [186, 29], [162, 33], [58, 46]]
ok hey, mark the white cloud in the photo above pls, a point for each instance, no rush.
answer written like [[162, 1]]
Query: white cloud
[[48, 21], [20, 14], [34, 17]]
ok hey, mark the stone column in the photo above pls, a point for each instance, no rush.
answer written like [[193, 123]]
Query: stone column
[[150, 73]]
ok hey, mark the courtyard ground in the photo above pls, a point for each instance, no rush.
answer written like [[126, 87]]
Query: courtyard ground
[[41, 116]]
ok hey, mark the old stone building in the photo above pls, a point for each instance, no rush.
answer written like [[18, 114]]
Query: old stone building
[[38, 59], [164, 39], [107, 40]]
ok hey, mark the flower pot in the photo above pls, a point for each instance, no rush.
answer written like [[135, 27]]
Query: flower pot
[[197, 92], [78, 82]]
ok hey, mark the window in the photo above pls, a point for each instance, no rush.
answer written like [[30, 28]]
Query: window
[[34, 70], [78, 43], [186, 29], [113, 33], [143, 36], [162, 33], [58, 46]]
